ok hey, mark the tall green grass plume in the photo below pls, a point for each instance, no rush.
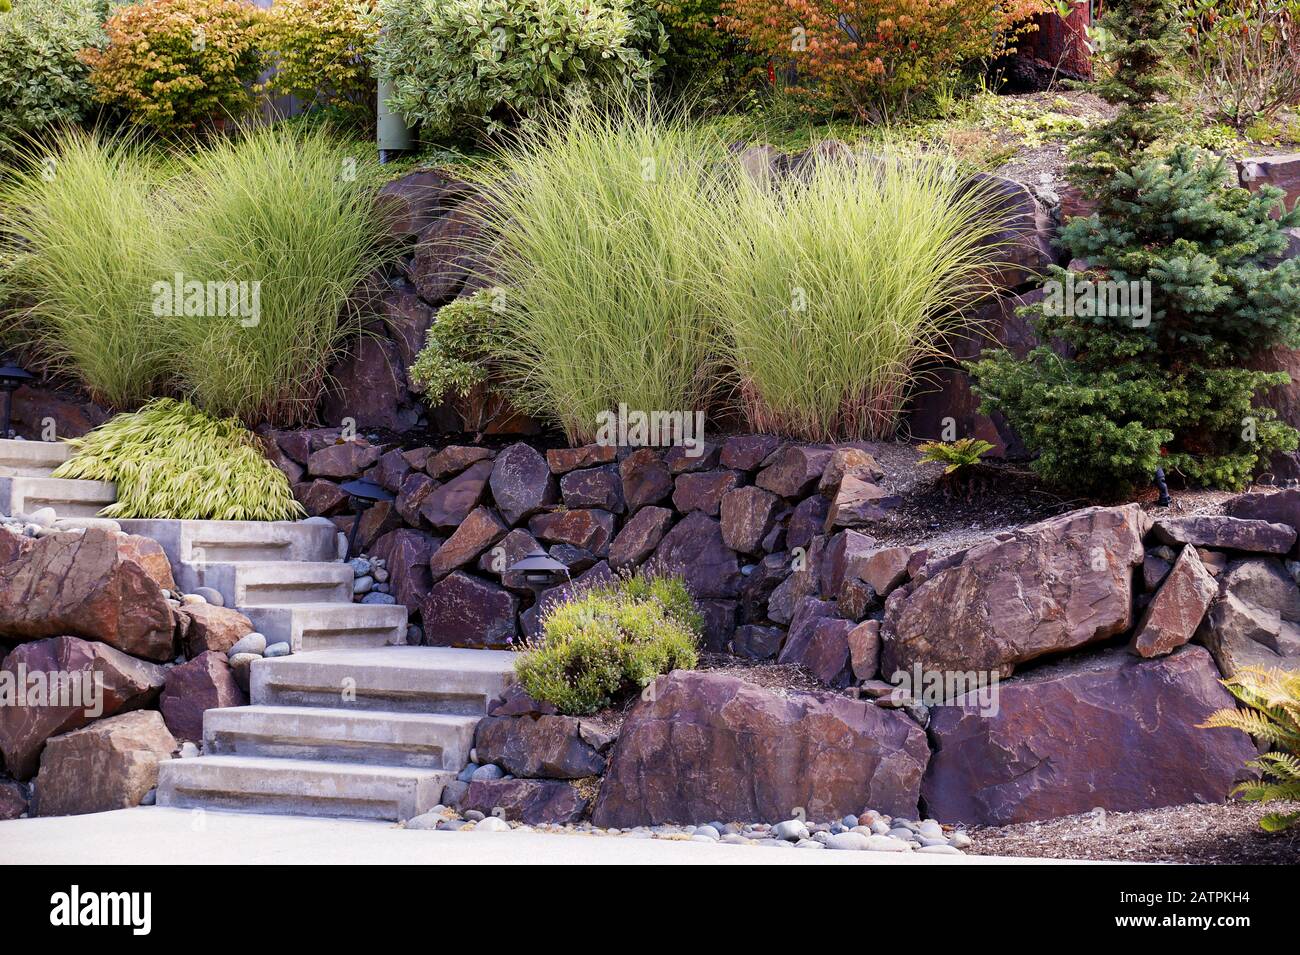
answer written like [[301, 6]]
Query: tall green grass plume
[[292, 209], [86, 229], [833, 288], [170, 460], [597, 225]]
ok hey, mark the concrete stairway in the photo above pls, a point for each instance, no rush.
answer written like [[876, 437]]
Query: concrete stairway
[[26, 485], [353, 723], [285, 576], [374, 733]]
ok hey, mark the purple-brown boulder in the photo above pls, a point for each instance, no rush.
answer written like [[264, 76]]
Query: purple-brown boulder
[[589, 528], [522, 483], [533, 802], [1173, 615], [748, 514], [639, 537], [97, 584], [1053, 586], [593, 487], [711, 746], [61, 684], [1226, 533], [694, 550], [542, 747], [1107, 730], [464, 611], [479, 531], [448, 504], [204, 683], [794, 470], [646, 479], [109, 764]]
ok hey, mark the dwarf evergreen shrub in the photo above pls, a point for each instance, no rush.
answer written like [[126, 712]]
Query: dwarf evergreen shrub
[[1163, 383], [609, 642]]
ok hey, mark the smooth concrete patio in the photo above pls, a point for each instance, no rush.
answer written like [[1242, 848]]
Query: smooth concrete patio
[[155, 835]]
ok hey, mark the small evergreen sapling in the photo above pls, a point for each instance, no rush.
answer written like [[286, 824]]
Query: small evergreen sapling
[[1121, 391]]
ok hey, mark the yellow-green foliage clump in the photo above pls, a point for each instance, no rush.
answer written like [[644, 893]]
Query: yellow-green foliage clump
[[1272, 714], [609, 642], [170, 460]]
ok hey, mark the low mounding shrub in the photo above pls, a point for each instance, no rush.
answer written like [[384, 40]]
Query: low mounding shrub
[[322, 51], [472, 65], [869, 53], [87, 233], [178, 65], [609, 642], [702, 59], [42, 79], [170, 460], [1272, 715], [456, 363], [830, 291], [600, 245], [292, 210]]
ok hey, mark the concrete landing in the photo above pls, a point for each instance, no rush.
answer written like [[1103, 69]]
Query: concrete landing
[[147, 835], [31, 458]]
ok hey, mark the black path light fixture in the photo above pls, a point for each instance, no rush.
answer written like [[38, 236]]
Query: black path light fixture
[[541, 572], [363, 495], [11, 379]]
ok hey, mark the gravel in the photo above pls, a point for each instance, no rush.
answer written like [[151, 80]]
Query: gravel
[[1203, 834]]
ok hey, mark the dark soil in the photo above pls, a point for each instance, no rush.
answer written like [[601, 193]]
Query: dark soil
[[1193, 834]]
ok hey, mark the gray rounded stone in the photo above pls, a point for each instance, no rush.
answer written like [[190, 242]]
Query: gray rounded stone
[[378, 598], [249, 643], [280, 649], [211, 595]]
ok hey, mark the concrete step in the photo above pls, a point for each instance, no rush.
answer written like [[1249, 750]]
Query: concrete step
[[397, 679], [69, 498], [267, 583], [300, 786], [419, 740], [330, 626], [223, 542], [31, 458]]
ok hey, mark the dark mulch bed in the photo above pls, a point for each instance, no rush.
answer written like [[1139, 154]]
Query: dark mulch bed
[[1194, 834]]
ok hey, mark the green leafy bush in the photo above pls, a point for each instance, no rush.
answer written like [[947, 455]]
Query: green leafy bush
[[472, 65], [42, 79], [322, 51], [456, 354], [293, 209], [87, 231], [702, 59], [609, 642], [1272, 715], [178, 65], [170, 460], [1165, 385]]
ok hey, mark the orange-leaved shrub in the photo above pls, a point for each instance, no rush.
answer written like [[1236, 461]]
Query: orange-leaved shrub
[[862, 55], [177, 65]]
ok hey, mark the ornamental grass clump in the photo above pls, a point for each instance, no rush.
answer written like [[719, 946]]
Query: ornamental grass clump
[[831, 291], [1271, 715], [170, 460], [87, 231], [292, 212], [610, 642], [601, 243]]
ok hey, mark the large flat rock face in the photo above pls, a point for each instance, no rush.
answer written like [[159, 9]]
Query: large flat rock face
[[1255, 620], [1107, 730], [98, 584], [709, 746], [1047, 588]]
